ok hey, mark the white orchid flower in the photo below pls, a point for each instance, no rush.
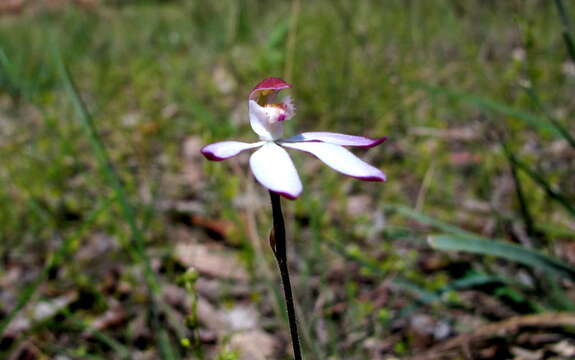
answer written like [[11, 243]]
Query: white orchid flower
[[271, 164]]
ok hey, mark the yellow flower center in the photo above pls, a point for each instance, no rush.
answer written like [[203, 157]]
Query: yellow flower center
[[263, 94]]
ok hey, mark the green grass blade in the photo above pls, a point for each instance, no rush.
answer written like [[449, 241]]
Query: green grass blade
[[503, 250], [492, 105], [567, 28], [472, 281], [427, 220], [111, 176], [137, 251], [165, 345], [7, 76], [427, 297], [524, 210], [423, 295], [543, 184], [560, 128]]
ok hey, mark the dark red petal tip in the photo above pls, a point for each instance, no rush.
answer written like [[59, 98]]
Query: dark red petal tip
[[271, 83], [375, 142], [286, 195], [370, 178]]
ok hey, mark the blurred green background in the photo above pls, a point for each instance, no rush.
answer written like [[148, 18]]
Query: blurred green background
[[118, 240]]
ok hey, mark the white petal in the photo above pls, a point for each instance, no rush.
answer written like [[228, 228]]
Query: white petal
[[226, 149], [340, 159], [337, 139], [273, 168], [260, 122]]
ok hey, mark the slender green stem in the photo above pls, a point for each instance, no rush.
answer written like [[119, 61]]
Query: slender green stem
[[278, 244]]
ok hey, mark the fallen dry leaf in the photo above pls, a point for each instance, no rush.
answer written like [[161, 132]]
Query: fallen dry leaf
[[564, 348], [497, 329], [525, 354], [213, 289], [113, 317], [37, 312], [424, 330], [242, 317], [464, 158], [254, 345], [210, 261], [220, 228]]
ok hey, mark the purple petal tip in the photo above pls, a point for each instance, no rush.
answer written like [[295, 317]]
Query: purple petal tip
[[210, 155]]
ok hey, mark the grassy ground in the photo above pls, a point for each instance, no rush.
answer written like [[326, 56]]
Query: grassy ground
[[105, 200]]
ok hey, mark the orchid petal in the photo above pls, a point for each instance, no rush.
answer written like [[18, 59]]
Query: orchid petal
[[261, 125], [270, 84], [339, 159], [274, 169], [337, 139], [226, 149]]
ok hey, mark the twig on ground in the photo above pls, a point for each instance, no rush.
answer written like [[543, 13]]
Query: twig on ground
[[497, 329]]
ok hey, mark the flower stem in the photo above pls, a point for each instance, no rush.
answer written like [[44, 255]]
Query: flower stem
[[278, 245]]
